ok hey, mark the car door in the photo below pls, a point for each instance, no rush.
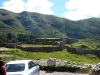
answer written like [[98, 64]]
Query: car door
[[32, 68]]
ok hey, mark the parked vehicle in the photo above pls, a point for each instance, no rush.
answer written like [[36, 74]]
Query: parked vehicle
[[22, 67], [96, 67]]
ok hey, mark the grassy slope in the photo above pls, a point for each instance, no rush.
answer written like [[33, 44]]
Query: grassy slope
[[86, 44], [64, 55]]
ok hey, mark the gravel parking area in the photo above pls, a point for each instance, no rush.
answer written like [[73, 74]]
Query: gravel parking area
[[59, 73], [44, 62]]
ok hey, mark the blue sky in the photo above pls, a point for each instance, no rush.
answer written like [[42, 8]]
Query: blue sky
[[58, 7], [69, 9]]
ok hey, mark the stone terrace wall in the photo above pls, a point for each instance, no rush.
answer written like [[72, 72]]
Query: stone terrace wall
[[41, 49], [79, 51], [57, 48]]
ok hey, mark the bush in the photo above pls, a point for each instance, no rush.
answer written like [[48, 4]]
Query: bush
[[59, 68]]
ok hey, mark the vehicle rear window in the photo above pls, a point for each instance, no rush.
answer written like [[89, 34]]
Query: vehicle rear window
[[15, 67]]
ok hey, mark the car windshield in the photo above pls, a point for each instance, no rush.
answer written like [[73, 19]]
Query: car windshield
[[15, 67]]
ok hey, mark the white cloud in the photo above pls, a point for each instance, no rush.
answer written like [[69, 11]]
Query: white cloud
[[81, 9], [14, 5], [40, 6]]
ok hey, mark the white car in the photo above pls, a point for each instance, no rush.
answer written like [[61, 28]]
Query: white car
[[96, 67], [22, 67]]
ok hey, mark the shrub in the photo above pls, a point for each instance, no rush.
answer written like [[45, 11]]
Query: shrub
[[59, 68]]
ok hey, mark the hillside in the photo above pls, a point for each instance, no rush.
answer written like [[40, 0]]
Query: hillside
[[9, 23], [47, 25]]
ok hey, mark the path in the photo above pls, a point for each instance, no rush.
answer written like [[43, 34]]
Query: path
[[59, 73]]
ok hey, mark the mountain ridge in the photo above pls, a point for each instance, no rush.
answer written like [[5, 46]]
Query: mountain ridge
[[47, 25]]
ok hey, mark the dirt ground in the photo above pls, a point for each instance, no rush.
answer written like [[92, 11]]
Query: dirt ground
[[60, 73]]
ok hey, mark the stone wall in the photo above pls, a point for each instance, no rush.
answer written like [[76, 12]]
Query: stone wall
[[80, 51], [59, 48], [41, 49], [11, 45]]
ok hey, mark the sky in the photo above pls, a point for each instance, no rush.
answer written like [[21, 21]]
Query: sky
[[69, 9]]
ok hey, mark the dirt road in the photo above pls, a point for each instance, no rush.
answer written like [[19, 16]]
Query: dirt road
[[59, 73]]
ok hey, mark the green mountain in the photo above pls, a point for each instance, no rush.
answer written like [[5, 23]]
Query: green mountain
[[47, 25]]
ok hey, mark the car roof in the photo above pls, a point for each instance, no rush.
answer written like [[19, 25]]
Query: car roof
[[18, 61]]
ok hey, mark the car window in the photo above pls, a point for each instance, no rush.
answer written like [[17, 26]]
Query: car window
[[15, 67], [31, 64]]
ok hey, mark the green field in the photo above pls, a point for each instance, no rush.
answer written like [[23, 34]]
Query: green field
[[13, 54], [86, 44]]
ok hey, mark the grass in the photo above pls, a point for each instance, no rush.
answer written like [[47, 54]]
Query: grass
[[63, 55], [86, 44], [14, 54]]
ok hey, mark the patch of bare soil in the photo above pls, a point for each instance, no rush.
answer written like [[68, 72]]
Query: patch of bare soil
[[3, 48], [83, 71], [59, 73]]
